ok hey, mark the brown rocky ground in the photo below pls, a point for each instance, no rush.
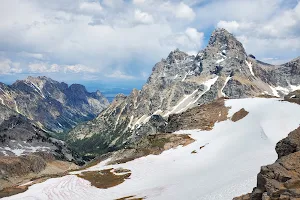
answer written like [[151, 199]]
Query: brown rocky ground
[[293, 97], [151, 144], [281, 180], [105, 178], [202, 117], [239, 115]]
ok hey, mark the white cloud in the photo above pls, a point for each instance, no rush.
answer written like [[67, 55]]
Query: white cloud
[[190, 40], [231, 26], [38, 56], [8, 67], [277, 35], [184, 11], [90, 7], [54, 68], [100, 36], [138, 1], [78, 69], [143, 17], [119, 75]]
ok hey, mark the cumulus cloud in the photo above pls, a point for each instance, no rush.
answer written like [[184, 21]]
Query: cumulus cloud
[[143, 17], [8, 67], [184, 11], [98, 34], [277, 36], [189, 40], [97, 37]]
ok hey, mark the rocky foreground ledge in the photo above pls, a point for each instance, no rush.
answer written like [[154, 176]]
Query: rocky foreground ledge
[[281, 180]]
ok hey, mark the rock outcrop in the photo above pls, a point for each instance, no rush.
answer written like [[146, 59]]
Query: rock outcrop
[[281, 180], [53, 106], [181, 82]]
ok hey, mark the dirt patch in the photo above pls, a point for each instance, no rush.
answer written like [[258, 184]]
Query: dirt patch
[[12, 191], [130, 198], [239, 115], [267, 96], [105, 178], [151, 144], [202, 117]]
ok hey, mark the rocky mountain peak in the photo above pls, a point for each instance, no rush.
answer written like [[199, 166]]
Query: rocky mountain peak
[[120, 97], [224, 40], [176, 56]]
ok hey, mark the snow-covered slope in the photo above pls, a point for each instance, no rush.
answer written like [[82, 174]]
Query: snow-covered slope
[[226, 167]]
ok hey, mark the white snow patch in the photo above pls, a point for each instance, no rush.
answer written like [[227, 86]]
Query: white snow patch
[[220, 60], [226, 81], [16, 107], [28, 183], [274, 91], [225, 168], [250, 67], [282, 89], [36, 88], [191, 99], [294, 87], [2, 101], [23, 149]]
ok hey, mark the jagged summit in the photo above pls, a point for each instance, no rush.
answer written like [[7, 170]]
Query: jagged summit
[[223, 40]]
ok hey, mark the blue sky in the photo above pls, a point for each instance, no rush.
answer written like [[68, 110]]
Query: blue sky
[[117, 42]]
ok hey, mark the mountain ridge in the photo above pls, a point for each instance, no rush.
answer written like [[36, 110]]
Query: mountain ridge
[[180, 82], [54, 106]]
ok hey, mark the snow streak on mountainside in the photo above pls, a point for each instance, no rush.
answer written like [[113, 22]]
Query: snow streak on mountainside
[[180, 82], [225, 164]]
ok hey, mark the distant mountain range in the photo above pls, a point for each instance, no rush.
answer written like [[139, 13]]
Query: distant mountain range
[[53, 106]]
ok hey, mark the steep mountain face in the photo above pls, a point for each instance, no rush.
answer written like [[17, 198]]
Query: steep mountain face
[[19, 136], [180, 82], [27, 151], [53, 106]]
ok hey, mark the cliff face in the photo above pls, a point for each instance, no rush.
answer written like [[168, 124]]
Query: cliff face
[[53, 106], [181, 82]]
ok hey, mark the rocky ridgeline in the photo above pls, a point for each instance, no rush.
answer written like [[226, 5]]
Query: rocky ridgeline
[[280, 180], [181, 82], [53, 106]]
